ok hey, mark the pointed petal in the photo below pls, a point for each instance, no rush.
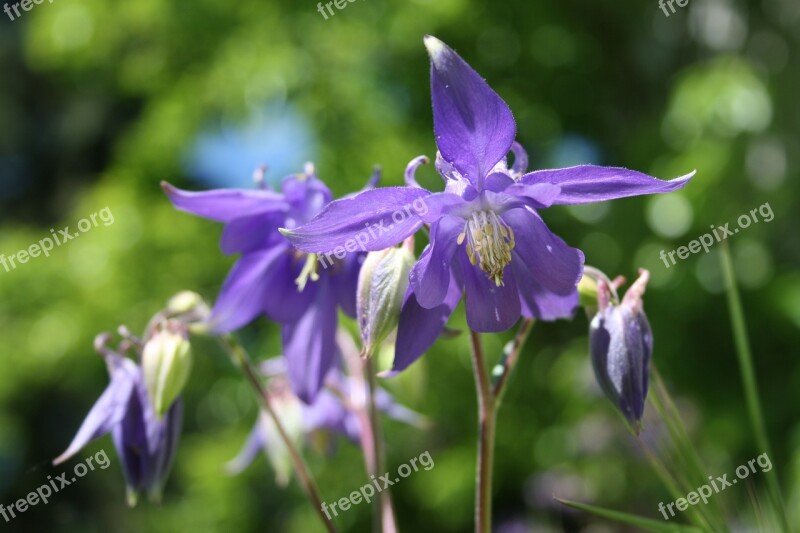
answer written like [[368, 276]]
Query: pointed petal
[[430, 276], [310, 344], [306, 196], [490, 309], [473, 125], [556, 266], [284, 301], [107, 412], [252, 447], [387, 405], [419, 328], [224, 205], [246, 289], [370, 221], [589, 183], [537, 195]]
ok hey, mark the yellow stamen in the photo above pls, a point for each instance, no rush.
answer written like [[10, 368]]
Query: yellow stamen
[[309, 272], [489, 243]]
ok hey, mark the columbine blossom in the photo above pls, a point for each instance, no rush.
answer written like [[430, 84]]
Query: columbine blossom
[[331, 411], [272, 278], [145, 443], [487, 240], [621, 344]]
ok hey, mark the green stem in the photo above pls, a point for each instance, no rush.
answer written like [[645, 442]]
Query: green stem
[[747, 370], [487, 416], [388, 521], [242, 361]]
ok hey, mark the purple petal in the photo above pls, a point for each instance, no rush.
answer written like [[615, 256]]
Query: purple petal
[[439, 204], [589, 183], [225, 205], [252, 447], [370, 221], [419, 328], [309, 344], [490, 309], [473, 125], [538, 302], [387, 405], [537, 195], [430, 276], [246, 289], [107, 412], [306, 196], [345, 280], [251, 233], [556, 266], [284, 302]]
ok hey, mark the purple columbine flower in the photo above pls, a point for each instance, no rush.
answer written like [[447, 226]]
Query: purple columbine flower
[[487, 238], [331, 411], [274, 279], [621, 344], [145, 443]]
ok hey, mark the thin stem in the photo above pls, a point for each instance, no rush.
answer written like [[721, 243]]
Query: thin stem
[[747, 370], [508, 362], [487, 421], [240, 358], [388, 523]]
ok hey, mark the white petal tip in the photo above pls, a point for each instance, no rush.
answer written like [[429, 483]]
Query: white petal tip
[[436, 48]]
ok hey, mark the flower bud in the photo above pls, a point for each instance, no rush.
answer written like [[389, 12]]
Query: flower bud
[[382, 285], [190, 308], [166, 364], [621, 344]]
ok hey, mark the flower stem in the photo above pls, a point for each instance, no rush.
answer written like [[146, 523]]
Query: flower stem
[[486, 431], [389, 524], [240, 358], [506, 365], [747, 370]]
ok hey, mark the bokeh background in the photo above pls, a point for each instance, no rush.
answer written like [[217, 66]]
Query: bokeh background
[[101, 100]]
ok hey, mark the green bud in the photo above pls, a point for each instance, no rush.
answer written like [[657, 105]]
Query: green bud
[[382, 286], [166, 364], [587, 292]]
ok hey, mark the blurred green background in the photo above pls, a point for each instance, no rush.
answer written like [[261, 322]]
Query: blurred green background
[[100, 100]]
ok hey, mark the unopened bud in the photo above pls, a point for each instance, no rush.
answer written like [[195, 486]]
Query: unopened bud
[[166, 364], [621, 344], [190, 308], [382, 286]]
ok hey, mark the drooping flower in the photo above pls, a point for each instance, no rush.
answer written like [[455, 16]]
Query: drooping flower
[[145, 443], [487, 240], [332, 412], [621, 344], [272, 278]]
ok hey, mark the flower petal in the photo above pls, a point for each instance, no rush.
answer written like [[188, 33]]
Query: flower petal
[[252, 447], [107, 412], [246, 289], [251, 232], [536, 195], [309, 344], [419, 328], [224, 205], [474, 127], [430, 276], [370, 221], [556, 266], [538, 302], [589, 183], [490, 309], [346, 282]]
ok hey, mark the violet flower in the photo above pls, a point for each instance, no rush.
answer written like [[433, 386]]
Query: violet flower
[[331, 412], [145, 443], [487, 240], [272, 278], [621, 344]]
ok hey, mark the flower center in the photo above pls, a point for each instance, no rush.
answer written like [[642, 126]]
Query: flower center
[[489, 243]]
